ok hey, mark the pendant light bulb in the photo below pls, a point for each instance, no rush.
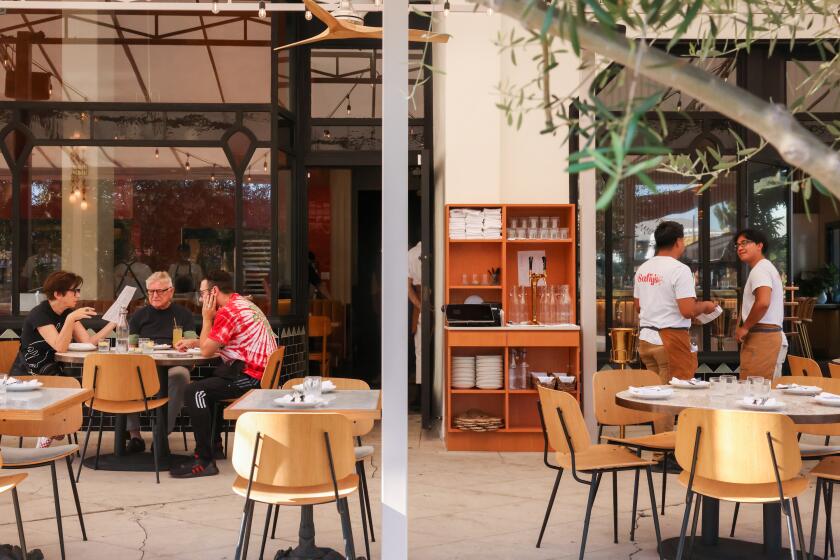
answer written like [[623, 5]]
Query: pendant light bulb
[[261, 11], [213, 173], [84, 204], [307, 15], [489, 11], [157, 153], [348, 104], [214, 7], [72, 197], [187, 166], [265, 165], [679, 102], [326, 133], [446, 8]]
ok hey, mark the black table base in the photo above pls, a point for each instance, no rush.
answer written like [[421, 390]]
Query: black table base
[[306, 549], [725, 549]]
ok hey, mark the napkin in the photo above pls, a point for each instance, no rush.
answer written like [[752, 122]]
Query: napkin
[[692, 381], [796, 386], [771, 402], [652, 390], [326, 385], [825, 395], [704, 318], [306, 398], [15, 381]]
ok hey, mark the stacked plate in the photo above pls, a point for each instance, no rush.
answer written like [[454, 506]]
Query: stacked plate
[[463, 372], [477, 421], [489, 372]]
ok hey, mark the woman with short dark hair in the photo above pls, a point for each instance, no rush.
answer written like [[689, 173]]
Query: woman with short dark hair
[[52, 325]]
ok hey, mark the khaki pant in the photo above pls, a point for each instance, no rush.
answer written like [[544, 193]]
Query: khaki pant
[[655, 358], [761, 353]]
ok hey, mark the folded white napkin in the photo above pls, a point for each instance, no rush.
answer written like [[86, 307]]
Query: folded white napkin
[[652, 390], [306, 398], [15, 381], [796, 386], [326, 385], [825, 395]]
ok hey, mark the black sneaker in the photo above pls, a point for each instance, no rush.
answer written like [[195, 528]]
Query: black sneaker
[[194, 469], [135, 445], [218, 451]]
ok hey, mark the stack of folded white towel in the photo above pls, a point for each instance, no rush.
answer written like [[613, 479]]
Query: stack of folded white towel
[[492, 223], [457, 223], [475, 223]]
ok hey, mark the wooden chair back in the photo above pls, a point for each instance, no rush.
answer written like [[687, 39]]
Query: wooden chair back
[[8, 353], [827, 384], [609, 382], [284, 306], [805, 309], [834, 370], [66, 421], [113, 377], [733, 445], [271, 375], [292, 449], [360, 427], [550, 401], [320, 326], [804, 366]]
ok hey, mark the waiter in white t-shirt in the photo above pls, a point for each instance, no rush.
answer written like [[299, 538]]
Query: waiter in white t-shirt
[[763, 342], [415, 279], [666, 302]]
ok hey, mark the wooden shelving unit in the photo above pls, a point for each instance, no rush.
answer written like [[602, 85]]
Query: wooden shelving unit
[[549, 349]]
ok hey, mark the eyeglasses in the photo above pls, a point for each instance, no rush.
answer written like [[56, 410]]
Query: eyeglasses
[[76, 291], [743, 243], [159, 292]]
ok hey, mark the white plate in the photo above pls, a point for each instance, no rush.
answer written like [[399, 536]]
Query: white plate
[[779, 405], [827, 402], [193, 350], [163, 346], [658, 396], [698, 385], [81, 347], [284, 404], [23, 387], [474, 299], [803, 391]]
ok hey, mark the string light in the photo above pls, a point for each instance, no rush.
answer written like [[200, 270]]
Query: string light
[[187, 166], [157, 154], [446, 7], [265, 165], [84, 204], [348, 103], [72, 197], [213, 173], [308, 175], [215, 7], [679, 102], [249, 175], [308, 15], [50, 87], [261, 10], [326, 133]]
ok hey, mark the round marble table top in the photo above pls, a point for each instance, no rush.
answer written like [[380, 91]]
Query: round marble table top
[[163, 358], [800, 409]]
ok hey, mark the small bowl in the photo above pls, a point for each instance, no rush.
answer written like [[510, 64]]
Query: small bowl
[[566, 379]]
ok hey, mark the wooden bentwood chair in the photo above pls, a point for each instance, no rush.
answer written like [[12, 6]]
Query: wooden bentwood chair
[[800, 366], [362, 452], [11, 482], [67, 421], [565, 431], [293, 459], [740, 456], [121, 384], [606, 385]]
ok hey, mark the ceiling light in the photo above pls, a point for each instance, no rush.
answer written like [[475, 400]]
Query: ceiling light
[[84, 204], [213, 173], [187, 166], [215, 7], [308, 15], [446, 7], [261, 10], [157, 154]]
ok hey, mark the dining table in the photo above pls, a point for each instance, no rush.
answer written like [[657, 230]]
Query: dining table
[[801, 409], [353, 404], [39, 404], [120, 460]]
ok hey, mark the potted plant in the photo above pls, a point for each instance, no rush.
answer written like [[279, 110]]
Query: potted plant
[[820, 283]]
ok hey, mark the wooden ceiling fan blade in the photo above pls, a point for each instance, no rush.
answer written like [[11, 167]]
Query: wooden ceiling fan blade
[[423, 36], [319, 12], [322, 36]]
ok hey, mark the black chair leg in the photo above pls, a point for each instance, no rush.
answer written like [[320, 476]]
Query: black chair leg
[[788, 513], [76, 440], [367, 501], [684, 527], [346, 529], [360, 467], [827, 440], [735, 518], [828, 489], [593, 491], [19, 521], [155, 427], [653, 512], [615, 506], [184, 433], [265, 530], [664, 479], [274, 522], [243, 526], [76, 497], [799, 532], [549, 506], [814, 518], [84, 448], [248, 530], [57, 502], [600, 432], [20, 441], [99, 440], [694, 525], [635, 501]]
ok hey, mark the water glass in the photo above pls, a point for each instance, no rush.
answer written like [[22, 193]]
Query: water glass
[[716, 387], [564, 233], [742, 389], [728, 382], [104, 346], [146, 345], [511, 233], [756, 385], [312, 386]]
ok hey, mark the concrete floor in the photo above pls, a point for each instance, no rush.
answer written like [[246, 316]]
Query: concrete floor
[[461, 506]]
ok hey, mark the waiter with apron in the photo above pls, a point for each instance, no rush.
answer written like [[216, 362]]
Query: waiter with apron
[[763, 344], [666, 301]]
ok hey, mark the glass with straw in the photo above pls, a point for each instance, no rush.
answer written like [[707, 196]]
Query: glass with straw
[[177, 333]]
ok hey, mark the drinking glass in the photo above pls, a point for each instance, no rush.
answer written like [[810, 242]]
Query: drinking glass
[[485, 279], [177, 335], [104, 346], [564, 233], [533, 233], [756, 385], [728, 382], [312, 385], [145, 345], [742, 388], [475, 279], [464, 279], [3, 380], [716, 387], [511, 233], [533, 222]]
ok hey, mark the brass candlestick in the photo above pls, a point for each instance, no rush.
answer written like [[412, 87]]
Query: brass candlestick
[[535, 278]]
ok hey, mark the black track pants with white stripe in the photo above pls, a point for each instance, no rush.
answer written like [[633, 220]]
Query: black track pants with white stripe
[[199, 400]]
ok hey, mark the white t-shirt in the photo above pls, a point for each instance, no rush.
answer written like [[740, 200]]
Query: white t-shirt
[[658, 284], [415, 266], [765, 274]]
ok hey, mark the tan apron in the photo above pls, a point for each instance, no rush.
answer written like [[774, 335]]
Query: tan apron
[[760, 351], [682, 362]]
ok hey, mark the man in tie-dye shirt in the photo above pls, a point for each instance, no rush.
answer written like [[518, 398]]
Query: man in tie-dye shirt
[[236, 329]]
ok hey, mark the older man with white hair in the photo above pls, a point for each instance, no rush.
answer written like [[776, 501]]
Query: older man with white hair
[[156, 321]]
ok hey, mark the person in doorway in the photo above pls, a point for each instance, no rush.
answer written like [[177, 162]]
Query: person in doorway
[[666, 302], [415, 278], [763, 343], [51, 326], [235, 328], [186, 275], [156, 321], [39, 266], [317, 287], [131, 272]]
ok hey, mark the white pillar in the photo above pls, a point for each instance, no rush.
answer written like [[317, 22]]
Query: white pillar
[[394, 280]]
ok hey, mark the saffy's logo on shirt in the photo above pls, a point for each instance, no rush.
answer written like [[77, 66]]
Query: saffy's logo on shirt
[[650, 278]]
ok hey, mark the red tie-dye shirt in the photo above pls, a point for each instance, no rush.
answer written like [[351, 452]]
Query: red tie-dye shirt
[[244, 334]]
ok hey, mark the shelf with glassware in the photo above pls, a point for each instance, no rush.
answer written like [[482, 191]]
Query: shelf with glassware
[[491, 272]]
